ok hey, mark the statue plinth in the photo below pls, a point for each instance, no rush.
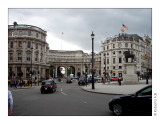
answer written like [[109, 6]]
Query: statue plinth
[[130, 76]]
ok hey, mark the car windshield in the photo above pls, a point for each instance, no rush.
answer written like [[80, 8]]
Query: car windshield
[[145, 92], [46, 82]]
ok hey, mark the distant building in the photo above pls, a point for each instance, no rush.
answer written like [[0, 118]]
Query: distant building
[[112, 54]]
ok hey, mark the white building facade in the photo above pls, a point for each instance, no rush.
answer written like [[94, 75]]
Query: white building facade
[[112, 54]]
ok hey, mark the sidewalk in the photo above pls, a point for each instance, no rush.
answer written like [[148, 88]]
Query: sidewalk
[[114, 88]]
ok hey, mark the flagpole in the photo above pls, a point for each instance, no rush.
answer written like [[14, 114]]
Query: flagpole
[[62, 40]]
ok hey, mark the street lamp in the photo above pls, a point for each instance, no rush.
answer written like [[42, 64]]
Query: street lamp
[[92, 36], [105, 66], [31, 62]]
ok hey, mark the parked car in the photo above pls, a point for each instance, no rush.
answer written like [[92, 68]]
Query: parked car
[[141, 101], [48, 86], [81, 81], [114, 78], [69, 80]]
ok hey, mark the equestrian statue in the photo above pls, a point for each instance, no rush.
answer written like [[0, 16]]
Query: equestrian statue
[[129, 55]]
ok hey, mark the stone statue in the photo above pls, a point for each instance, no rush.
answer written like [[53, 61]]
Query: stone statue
[[129, 55]]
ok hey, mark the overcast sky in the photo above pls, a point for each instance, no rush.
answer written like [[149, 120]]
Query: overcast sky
[[78, 24]]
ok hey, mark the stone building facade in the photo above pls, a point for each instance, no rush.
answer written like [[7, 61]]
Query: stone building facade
[[27, 51], [79, 60], [112, 54]]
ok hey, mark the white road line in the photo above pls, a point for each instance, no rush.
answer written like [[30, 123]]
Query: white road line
[[63, 92]]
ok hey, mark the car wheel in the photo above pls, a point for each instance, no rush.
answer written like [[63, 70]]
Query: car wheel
[[55, 90], [117, 109]]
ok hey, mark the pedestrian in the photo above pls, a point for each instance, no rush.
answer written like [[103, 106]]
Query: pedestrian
[[119, 81], [20, 83], [15, 84], [147, 77], [28, 82], [102, 80], [10, 103], [108, 77]]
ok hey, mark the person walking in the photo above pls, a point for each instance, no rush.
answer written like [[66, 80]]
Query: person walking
[[147, 77], [102, 80], [108, 77], [15, 84], [10, 103], [119, 81]]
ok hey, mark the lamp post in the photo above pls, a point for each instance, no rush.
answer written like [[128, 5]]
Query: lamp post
[[31, 63], [105, 66], [92, 36]]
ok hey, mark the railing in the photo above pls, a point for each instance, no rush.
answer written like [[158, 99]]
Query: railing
[[26, 26]]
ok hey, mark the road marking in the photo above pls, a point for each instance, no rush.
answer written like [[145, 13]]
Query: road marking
[[85, 102], [63, 92]]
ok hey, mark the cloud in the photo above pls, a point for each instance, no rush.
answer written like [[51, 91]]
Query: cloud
[[78, 24]]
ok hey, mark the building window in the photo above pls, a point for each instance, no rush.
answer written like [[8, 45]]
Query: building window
[[107, 53], [20, 33], [131, 45], [28, 44], [29, 33], [107, 47], [113, 52], [11, 56], [120, 67], [28, 58], [114, 60], [36, 45], [107, 67], [126, 44], [36, 57], [114, 67], [37, 35], [120, 52], [20, 44], [113, 45], [107, 61], [120, 60], [19, 56], [41, 58], [12, 33], [41, 36], [18, 70], [11, 44]]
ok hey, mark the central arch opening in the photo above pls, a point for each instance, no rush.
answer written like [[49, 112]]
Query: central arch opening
[[70, 71], [60, 71]]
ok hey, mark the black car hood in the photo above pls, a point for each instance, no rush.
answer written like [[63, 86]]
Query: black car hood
[[123, 97]]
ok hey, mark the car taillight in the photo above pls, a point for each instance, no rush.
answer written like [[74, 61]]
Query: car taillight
[[51, 86]]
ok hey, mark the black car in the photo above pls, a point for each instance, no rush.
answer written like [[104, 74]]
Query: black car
[[69, 80], [139, 102], [48, 86]]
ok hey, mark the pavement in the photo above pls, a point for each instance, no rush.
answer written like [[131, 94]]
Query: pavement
[[115, 89]]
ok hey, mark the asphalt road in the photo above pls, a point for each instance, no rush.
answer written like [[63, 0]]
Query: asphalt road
[[68, 100]]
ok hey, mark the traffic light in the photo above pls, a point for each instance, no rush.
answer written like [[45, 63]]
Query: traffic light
[[30, 73]]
